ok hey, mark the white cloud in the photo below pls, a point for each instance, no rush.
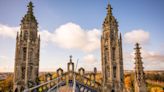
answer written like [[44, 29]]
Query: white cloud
[[90, 58], [152, 56], [151, 60], [7, 31], [139, 36], [69, 36], [4, 58], [45, 37], [146, 55], [128, 56], [72, 36]]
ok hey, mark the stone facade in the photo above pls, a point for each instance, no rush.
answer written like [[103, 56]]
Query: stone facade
[[27, 52], [111, 55], [139, 80]]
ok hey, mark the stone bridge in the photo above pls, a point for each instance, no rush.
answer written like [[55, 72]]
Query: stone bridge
[[85, 82]]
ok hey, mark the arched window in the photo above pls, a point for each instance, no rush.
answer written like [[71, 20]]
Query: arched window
[[106, 54], [113, 54], [112, 90], [23, 72], [24, 53], [25, 35], [16, 90], [114, 71]]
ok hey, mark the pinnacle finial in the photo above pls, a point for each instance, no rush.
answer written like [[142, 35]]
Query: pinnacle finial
[[70, 58], [29, 16], [137, 46], [30, 8], [109, 8], [137, 54]]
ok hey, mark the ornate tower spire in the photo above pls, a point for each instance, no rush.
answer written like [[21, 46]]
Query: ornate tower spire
[[27, 52], [111, 55], [30, 8], [140, 85], [70, 58], [109, 8], [29, 17], [107, 20]]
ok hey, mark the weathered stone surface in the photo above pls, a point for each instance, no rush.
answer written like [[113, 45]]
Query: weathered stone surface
[[27, 52], [111, 55]]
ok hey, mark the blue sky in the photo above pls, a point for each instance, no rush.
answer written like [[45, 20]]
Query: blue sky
[[139, 21]]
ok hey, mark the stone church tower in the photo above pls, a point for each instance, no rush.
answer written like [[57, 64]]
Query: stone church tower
[[27, 52], [111, 55], [139, 80]]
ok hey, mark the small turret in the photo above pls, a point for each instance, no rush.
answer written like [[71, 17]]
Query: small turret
[[109, 15], [140, 85]]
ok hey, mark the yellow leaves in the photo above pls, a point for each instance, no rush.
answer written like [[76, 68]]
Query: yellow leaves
[[128, 82], [7, 84], [156, 89], [99, 78], [54, 75]]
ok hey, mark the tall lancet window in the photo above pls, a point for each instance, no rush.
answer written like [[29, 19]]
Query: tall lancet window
[[113, 54], [114, 71], [23, 72], [24, 53], [112, 36], [106, 50], [106, 54], [106, 58], [31, 55], [25, 34]]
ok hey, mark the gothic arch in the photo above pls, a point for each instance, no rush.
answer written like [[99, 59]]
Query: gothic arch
[[114, 71], [112, 90], [16, 90]]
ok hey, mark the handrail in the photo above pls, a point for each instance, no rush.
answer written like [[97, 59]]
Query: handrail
[[30, 89], [75, 73]]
